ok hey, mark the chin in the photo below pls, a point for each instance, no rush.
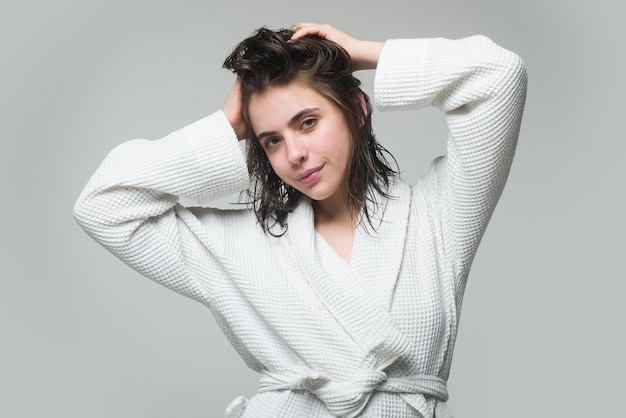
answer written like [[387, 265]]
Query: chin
[[319, 195], [316, 196]]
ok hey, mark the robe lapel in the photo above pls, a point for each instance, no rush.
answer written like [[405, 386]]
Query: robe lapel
[[351, 301], [378, 252]]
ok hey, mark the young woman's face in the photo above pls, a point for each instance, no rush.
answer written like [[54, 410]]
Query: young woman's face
[[305, 136]]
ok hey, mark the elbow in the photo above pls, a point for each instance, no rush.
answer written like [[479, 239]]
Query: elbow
[[516, 71], [505, 65], [97, 223], [94, 218], [85, 217], [511, 69], [78, 211], [509, 75], [514, 81]]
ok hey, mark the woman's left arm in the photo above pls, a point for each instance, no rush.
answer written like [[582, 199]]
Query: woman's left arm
[[481, 87]]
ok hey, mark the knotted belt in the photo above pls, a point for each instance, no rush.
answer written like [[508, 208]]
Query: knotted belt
[[348, 398]]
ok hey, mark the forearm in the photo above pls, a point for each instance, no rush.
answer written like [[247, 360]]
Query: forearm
[[130, 205], [448, 74], [141, 179], [365, 54]]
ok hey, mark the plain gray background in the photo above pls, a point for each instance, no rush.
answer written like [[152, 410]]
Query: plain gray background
[[542, 330]]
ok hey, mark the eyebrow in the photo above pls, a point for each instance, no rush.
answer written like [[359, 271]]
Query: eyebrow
[[293, 121]]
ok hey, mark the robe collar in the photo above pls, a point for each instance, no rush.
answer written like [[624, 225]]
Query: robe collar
[[358, 307]]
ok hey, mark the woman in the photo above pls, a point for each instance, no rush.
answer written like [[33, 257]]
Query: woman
[[341, 285]]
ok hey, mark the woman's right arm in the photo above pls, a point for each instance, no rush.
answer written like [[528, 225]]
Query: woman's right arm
[[130, 204]]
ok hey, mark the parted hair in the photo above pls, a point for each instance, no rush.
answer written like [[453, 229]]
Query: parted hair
[[268, 59]]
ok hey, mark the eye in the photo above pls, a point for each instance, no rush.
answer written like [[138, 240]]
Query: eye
[[271, 142], [308, 123]]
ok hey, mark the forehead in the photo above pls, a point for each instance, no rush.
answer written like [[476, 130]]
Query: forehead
[[276, 105]]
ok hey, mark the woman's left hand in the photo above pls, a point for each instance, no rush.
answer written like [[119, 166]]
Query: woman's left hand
[[364, 54]]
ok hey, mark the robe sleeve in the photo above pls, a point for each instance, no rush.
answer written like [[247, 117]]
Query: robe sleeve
[[130, 204], [481, 87]]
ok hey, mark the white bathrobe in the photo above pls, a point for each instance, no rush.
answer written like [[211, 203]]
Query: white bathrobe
[[369, 338]]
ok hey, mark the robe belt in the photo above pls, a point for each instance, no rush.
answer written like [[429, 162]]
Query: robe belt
[[348, 398]]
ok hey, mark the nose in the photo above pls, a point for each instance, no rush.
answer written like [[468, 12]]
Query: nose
[[297, 152]]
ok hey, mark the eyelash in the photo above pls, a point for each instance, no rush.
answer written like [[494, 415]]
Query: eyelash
[[306, 124], [268, 142]]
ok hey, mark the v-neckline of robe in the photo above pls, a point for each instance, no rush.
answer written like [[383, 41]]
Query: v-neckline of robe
[[331, 250], [363, 315]]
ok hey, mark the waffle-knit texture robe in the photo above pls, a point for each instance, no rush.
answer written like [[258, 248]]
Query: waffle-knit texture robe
[[369, 338]]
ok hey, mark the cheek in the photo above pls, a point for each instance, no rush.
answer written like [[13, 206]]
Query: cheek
[[343, 148], [277, 163]]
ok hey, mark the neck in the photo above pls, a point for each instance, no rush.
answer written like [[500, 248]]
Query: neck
[[335, 221], [335, 210]]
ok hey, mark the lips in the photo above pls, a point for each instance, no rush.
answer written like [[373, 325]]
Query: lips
[[308, 176]]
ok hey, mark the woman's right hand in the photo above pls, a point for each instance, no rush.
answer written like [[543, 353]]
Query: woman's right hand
[[233, 110]]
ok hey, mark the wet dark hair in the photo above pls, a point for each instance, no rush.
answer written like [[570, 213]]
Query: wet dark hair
[[267, 59]]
